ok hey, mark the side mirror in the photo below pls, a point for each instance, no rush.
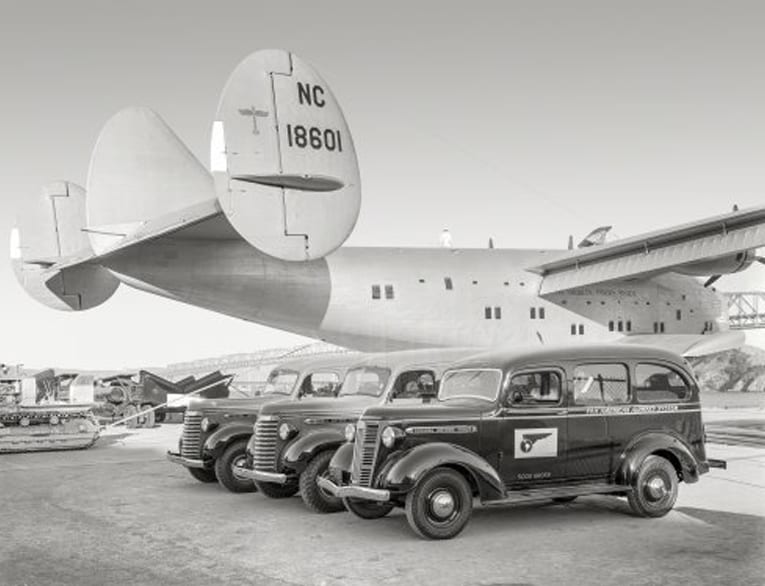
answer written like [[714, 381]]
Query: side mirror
[[516, 397]]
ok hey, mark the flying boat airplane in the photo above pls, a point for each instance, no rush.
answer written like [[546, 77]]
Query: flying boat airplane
[[259, 237]]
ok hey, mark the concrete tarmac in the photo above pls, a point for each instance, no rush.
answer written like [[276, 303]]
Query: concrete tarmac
[[119, 513]]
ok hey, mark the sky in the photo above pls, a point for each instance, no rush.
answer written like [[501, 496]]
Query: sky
[[520, 121]]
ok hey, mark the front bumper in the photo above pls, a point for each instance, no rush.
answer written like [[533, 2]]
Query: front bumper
[[353, 491], [713, 463], [249, 474], [176, 458]]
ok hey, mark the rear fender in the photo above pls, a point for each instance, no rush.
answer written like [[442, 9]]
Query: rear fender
[[409, 468], [224, 435], [661, 444], [305, 447]]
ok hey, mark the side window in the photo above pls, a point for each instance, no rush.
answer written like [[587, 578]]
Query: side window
[[321, 384], [600, 384], [414, 384], [534, 388], [658, 384]]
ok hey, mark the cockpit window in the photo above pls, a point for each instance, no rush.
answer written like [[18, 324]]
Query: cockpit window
[[366, 380], [280, 382], [414, 384], [534, 388], [470, 384], [320, 384]]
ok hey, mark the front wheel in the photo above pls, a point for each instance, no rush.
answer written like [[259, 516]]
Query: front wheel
[[654, 488], [277, 491], [203, 474], [367, 509], [315, 497], [440, 505], [233, 456]]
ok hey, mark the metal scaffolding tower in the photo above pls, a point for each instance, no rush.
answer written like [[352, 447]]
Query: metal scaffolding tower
[[746, 310]]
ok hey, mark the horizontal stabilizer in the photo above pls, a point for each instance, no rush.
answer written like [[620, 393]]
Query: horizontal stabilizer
[[690, 345], [672, 249]]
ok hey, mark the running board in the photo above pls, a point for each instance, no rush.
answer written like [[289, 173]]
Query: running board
[[547, 493]]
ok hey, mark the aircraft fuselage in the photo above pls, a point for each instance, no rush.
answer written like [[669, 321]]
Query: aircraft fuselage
[[394, 298]]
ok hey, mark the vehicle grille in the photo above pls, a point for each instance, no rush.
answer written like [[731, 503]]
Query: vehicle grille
[[365, 453], [264, 453], [191, 439]]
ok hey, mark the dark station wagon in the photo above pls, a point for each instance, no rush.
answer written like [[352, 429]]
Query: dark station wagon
[[524, 426], [216, 431], [293, 443]]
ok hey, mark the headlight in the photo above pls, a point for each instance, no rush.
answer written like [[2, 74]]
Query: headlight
[[286, 431], [390, 436], [206, 424], [350, 432]]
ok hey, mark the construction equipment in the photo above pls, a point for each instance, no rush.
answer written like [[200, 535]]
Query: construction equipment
[[44, 411], [143, 402]]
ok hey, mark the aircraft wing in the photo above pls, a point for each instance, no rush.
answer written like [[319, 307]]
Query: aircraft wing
[[690, 345], [656, 252]]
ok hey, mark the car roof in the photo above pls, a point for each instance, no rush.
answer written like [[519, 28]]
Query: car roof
[[420, 357], [511, 358], [344, 359]]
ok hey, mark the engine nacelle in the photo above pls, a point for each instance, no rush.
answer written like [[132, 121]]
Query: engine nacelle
[[282, 157], [49, 231], [720, 266]]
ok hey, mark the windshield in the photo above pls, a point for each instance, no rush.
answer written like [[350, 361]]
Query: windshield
[[280, 382], [470, 384], [367, 380]]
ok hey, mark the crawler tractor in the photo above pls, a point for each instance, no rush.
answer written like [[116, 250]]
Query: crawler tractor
[[38, 412]]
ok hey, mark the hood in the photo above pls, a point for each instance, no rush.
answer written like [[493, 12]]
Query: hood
[[234, 405], [451, 410], [349, 404]]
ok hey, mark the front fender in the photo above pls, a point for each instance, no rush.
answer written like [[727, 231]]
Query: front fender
[[225, 434], [305, 447], [662, 444], [410, 466], [342, 461]]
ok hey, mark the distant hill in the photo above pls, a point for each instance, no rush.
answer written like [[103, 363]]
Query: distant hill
[[740, 370]]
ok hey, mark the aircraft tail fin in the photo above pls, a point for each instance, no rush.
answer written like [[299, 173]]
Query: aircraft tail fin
[[139, 171], [284, 163], [48, 234]]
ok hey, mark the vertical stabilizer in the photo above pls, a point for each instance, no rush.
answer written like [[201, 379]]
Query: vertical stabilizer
[[139, 170]]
